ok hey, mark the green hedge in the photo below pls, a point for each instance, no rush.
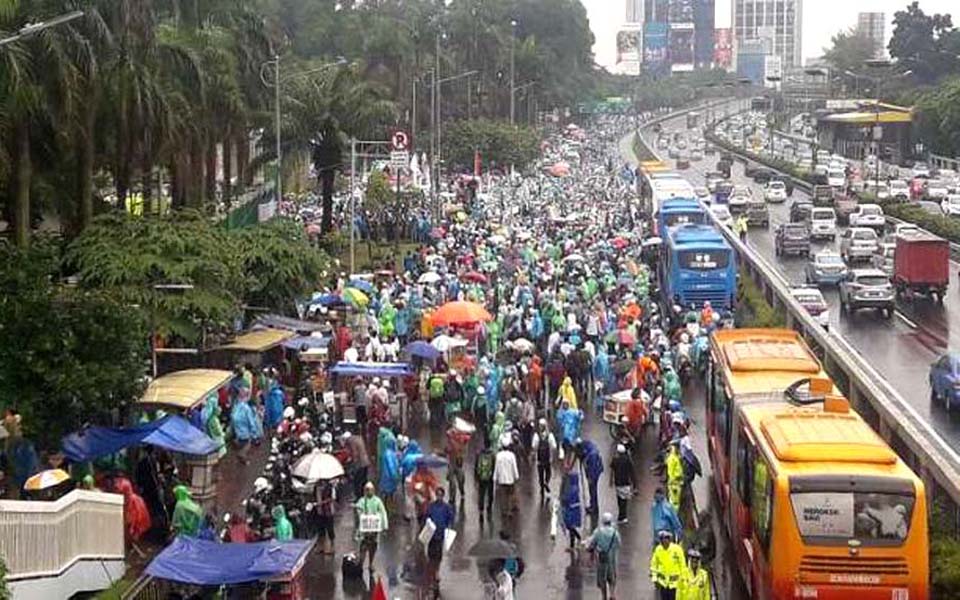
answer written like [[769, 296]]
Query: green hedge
[[945, 227], [753, 310]]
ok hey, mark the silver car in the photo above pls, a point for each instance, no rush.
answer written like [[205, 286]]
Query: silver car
[[858, 243], [867, 288], [826, 267]]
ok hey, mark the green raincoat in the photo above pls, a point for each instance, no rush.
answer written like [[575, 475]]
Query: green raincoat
[[187, 516], [282, 528]]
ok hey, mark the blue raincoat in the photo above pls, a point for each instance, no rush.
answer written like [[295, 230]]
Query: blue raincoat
[[403, 322], [593, 467], [569, 420], [536, 330], [571, 508], [492, 389], [388, 463], [246, 425], [274, 405], [663, 517], [408, 462]]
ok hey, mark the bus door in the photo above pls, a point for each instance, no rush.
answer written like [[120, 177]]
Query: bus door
[[739, 520]]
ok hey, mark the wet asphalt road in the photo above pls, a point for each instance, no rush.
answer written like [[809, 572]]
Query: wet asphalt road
[[550, 571], [901, 349]]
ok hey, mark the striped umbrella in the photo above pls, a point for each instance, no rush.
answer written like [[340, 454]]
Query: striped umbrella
[[355, 297], [46, 479]]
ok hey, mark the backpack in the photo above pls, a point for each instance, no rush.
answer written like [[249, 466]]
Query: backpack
[[486, 462]]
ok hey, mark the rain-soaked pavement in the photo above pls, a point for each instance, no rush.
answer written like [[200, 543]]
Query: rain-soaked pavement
[[550, 570]]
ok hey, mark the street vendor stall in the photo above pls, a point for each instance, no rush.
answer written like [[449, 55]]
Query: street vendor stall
[[184, 391], [345, 404], [274, 566], [172, 432], [257, 347]]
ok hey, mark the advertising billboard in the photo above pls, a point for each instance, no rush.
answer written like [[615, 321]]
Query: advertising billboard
[[704, 22], [680, 54], [681, 11], [723, 48], [655, 37], [628, 51]]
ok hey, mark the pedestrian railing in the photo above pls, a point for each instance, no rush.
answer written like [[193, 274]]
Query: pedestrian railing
[[42, 540], [887, 411]]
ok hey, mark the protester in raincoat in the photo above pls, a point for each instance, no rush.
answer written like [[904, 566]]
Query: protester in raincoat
[[663, 517], [388, 462], [568, 420], [282, 528], [211, 423], [187, 516], [274, 402], [674, 466], [136, 516], [496, 430], [570, 506], [671, 384], [592, 463], [567, 393], [388, 320]]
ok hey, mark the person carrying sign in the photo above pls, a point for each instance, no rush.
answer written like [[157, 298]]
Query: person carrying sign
[[371, 522]]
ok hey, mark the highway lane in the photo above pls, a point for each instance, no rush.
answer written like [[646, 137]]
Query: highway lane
[[900, 349]]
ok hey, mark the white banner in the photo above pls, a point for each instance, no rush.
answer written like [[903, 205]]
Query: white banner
[[824, 514]]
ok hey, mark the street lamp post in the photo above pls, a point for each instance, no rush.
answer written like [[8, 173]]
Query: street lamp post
[[33, 28]]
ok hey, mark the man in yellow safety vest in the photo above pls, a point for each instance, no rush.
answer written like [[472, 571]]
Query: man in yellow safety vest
[[695, 583], [667, 566]]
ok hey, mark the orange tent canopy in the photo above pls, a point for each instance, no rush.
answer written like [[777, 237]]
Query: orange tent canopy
[[460, 312]]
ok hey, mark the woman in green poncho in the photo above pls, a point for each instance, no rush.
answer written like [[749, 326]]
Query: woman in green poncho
[[211, 420], [282, 527], [187, 516]]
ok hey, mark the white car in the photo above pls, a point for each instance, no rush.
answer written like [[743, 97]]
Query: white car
[[899, 189], [878, 189], [867, 215], [823, 223], [776, 191], [722, 214], [712, 182], [836, 178], [937, 189], [951, 205], [920, 170], [703, 194]]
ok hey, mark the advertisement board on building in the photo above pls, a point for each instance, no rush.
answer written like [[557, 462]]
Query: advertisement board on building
[[704, 21], [655, 37], [723, 48], [628, 50], [681, 11], [772, 69], [681, 47]]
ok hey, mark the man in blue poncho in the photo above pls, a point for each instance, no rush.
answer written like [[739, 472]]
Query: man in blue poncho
[[593, 468], [663, 517], [275, 402], [388, 463], [411, 451], [568, 420], [246, 425]]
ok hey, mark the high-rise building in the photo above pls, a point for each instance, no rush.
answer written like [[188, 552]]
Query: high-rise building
[[871, 25], [775, 22], [703, 37]]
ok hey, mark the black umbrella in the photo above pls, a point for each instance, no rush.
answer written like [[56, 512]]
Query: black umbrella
[[492, 548]]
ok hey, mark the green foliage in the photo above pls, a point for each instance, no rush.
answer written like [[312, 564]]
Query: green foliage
[[938, 118], [928, 45], [849, 50], [279, 264], [378, 192], [651, 93], [753, 310], [944, 551], [946, 227], [67, 355], [4, 590], [498, 143]]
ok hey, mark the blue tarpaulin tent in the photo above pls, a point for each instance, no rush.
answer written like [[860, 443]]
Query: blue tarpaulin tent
[[199, 562], [172, 432], [371, 369]]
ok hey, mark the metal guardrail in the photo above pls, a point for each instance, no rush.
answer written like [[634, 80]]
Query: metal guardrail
[[888, 412]]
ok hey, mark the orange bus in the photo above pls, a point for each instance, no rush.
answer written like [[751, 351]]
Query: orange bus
[[817, 505]]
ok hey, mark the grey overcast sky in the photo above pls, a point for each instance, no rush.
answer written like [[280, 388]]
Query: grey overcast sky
[[821, 19]]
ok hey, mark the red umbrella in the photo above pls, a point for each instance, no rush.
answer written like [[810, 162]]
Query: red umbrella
[[474, 276], [619, 243], [460, 312]]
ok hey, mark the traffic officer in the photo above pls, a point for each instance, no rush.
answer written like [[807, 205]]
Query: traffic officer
[[667, 566], [695, 583], [741, 226], [674, 467]]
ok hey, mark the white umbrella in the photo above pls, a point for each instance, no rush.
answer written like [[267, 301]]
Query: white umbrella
[[573, 258], [429, 277], [444, 343], [496, 239], [521, 345], [318, 466]]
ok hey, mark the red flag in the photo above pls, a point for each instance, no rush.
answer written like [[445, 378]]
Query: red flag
[[476, 163], [379, 592]]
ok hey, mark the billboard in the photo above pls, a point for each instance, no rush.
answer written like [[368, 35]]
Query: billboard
[[628, 51], [655, 36], [703, 19], [681, 11], [723, 48], [772, 68], [681, 46]]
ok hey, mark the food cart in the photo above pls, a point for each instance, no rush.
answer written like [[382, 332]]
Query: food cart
[[617, 406], [344, 402]]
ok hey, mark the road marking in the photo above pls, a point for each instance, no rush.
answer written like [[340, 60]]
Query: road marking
[[904, 318]]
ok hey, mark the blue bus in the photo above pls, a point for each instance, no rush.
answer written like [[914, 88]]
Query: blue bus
[[680, 211], [698, 265]]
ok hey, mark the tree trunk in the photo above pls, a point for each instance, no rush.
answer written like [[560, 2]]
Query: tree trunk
[[227, 170], [244, 177], [146, 179], [122, 161], [87, 157], [327, 178], [195, 175], [210, 170], [21, 207]]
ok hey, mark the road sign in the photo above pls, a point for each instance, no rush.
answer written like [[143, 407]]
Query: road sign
[[399, 159], [400, 140]]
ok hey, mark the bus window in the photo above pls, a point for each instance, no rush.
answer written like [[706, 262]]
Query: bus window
[[721, 409], [875, 518], [744, 470], [762, 500]]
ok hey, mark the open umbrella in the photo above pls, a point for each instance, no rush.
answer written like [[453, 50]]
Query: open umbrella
[[421, 349], [521, 345], [362, 285], [46, 479], [460, 312], [493, 548], [474, 276], [431, 461], [429, 277], [355, 297], [573, 258], [326, 300], [444, 343], [318, 466]]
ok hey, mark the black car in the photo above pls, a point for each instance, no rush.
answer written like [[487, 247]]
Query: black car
[[763, 175], [800, 210], [723, 167]]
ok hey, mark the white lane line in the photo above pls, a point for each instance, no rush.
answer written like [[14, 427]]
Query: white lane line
[[904, 318]]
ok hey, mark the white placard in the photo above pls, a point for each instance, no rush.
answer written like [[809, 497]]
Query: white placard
[[824, 514], [370, 524]]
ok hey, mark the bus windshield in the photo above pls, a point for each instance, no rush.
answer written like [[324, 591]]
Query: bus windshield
[[704, 259], [875, 517]]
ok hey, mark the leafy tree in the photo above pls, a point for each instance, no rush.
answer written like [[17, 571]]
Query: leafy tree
[[67, 355], [848, 51], [497, 142], [927, 45], [938, 118]]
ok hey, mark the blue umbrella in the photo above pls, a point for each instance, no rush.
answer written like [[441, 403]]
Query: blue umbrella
[[362, 285], [431, 461], [421, 349], [327, 300]]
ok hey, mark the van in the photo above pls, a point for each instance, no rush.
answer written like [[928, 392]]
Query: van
[[823, 223]]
